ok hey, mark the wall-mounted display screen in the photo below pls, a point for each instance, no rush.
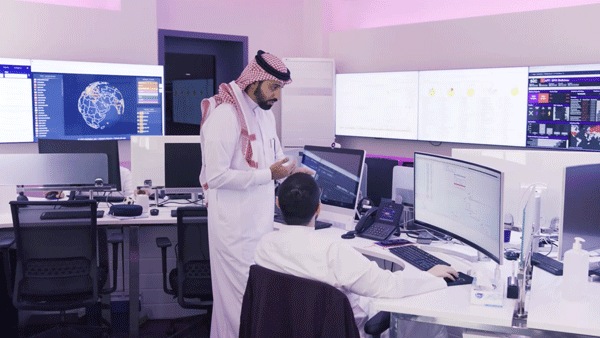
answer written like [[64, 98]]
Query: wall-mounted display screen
[[16, 118], [382, 105], [562, 107], [479, 106], [96, 101]]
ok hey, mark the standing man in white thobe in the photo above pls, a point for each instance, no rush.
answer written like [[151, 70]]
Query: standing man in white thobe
[[241, 158]]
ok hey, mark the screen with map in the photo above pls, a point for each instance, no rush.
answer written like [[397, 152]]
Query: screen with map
[[96, 101], [562, 107]]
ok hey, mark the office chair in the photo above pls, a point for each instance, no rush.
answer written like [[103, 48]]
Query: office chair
[[190, 281], [379, 178], [280, 305], [276, 304], [57, 265]]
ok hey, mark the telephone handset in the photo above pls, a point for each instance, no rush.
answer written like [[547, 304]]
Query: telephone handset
[[379, 223]]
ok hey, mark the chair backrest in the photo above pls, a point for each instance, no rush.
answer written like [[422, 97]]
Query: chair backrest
[[56, 258], [379, 179], [193, 255], [280, 305]]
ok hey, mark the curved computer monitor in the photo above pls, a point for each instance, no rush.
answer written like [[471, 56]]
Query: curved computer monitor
[[108, 147], [338, 174], [460, 199]]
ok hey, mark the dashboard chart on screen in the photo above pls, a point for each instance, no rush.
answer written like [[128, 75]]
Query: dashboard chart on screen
[[460, 199], [480, 106], [96, 101], [562, 107], [380, 105]]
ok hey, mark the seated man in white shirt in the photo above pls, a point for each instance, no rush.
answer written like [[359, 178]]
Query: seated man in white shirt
[[299, 250]]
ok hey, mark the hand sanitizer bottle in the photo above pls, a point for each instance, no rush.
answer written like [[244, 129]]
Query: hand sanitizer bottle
[[575, 275]]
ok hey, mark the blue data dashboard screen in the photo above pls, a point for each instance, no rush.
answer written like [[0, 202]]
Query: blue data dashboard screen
[[96, 101]]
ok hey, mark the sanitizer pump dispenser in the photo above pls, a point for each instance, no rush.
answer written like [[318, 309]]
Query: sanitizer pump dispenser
[[575, 275]]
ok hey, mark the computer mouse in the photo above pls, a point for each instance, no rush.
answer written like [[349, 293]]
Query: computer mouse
[[154, 212], [511, 255], [349, 235], [54, 195]]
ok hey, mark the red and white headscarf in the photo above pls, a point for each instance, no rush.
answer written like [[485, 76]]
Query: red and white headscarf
[[263, 67]]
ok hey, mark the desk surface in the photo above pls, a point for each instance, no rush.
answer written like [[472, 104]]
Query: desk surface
[[164, 217], [451, 306]]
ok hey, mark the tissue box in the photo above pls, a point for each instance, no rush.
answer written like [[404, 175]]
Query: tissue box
[[487, 297]]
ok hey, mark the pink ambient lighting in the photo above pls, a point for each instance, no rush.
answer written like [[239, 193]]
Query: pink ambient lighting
[[112, 5], [357, 14]]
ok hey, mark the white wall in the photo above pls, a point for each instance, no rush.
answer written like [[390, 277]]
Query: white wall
[[41, 31], [547, 37], [274, 26]]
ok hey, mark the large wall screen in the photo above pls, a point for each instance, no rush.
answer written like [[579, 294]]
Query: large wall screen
[[562, 108], [96, 101]]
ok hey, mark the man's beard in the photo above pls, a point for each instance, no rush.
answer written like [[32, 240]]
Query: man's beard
[[261, 101]]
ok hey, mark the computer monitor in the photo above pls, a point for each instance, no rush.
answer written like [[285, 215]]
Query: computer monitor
[[460, 199], [581, 208], [525, 169], [108, 147], [391, 103], [96, 101], [562, 109], [16, 107], [478, 106], [172, 162], [338, 174], [183, 162]]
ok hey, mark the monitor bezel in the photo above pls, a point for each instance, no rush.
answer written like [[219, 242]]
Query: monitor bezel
[[355, 152], [497, 257], [111, 147]]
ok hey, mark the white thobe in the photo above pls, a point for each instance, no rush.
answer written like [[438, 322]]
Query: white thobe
[[240, 202], [301, 251]]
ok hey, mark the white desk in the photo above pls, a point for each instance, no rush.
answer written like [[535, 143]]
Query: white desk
[[548, 313], [548, 310]]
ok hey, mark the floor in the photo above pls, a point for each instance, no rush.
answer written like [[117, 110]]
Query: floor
[[189, 327]]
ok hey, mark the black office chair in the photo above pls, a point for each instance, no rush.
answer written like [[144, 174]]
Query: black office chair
[[57, 266], [280, 305], [379, 178], [276, 304], [192, 288]]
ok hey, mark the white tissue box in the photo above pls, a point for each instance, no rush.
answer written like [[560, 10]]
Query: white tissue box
[[487, 296]]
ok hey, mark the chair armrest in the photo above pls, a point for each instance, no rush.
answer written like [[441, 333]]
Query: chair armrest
[[377, 324], [163, 242], [6, 242], [115, 237]]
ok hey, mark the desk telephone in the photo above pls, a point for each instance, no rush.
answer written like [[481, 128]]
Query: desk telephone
[[378, 223]]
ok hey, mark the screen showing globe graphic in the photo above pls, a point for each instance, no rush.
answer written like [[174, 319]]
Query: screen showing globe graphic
[[101, 105]]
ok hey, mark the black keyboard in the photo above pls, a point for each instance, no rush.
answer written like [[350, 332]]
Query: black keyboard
[[420, 258], [546, 263], [318, 224], [182, 196], [108, 199], [195, 211], [424, 261], [69, 214]]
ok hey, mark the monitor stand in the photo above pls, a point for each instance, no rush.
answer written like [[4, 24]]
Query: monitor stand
[[452, 250]]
